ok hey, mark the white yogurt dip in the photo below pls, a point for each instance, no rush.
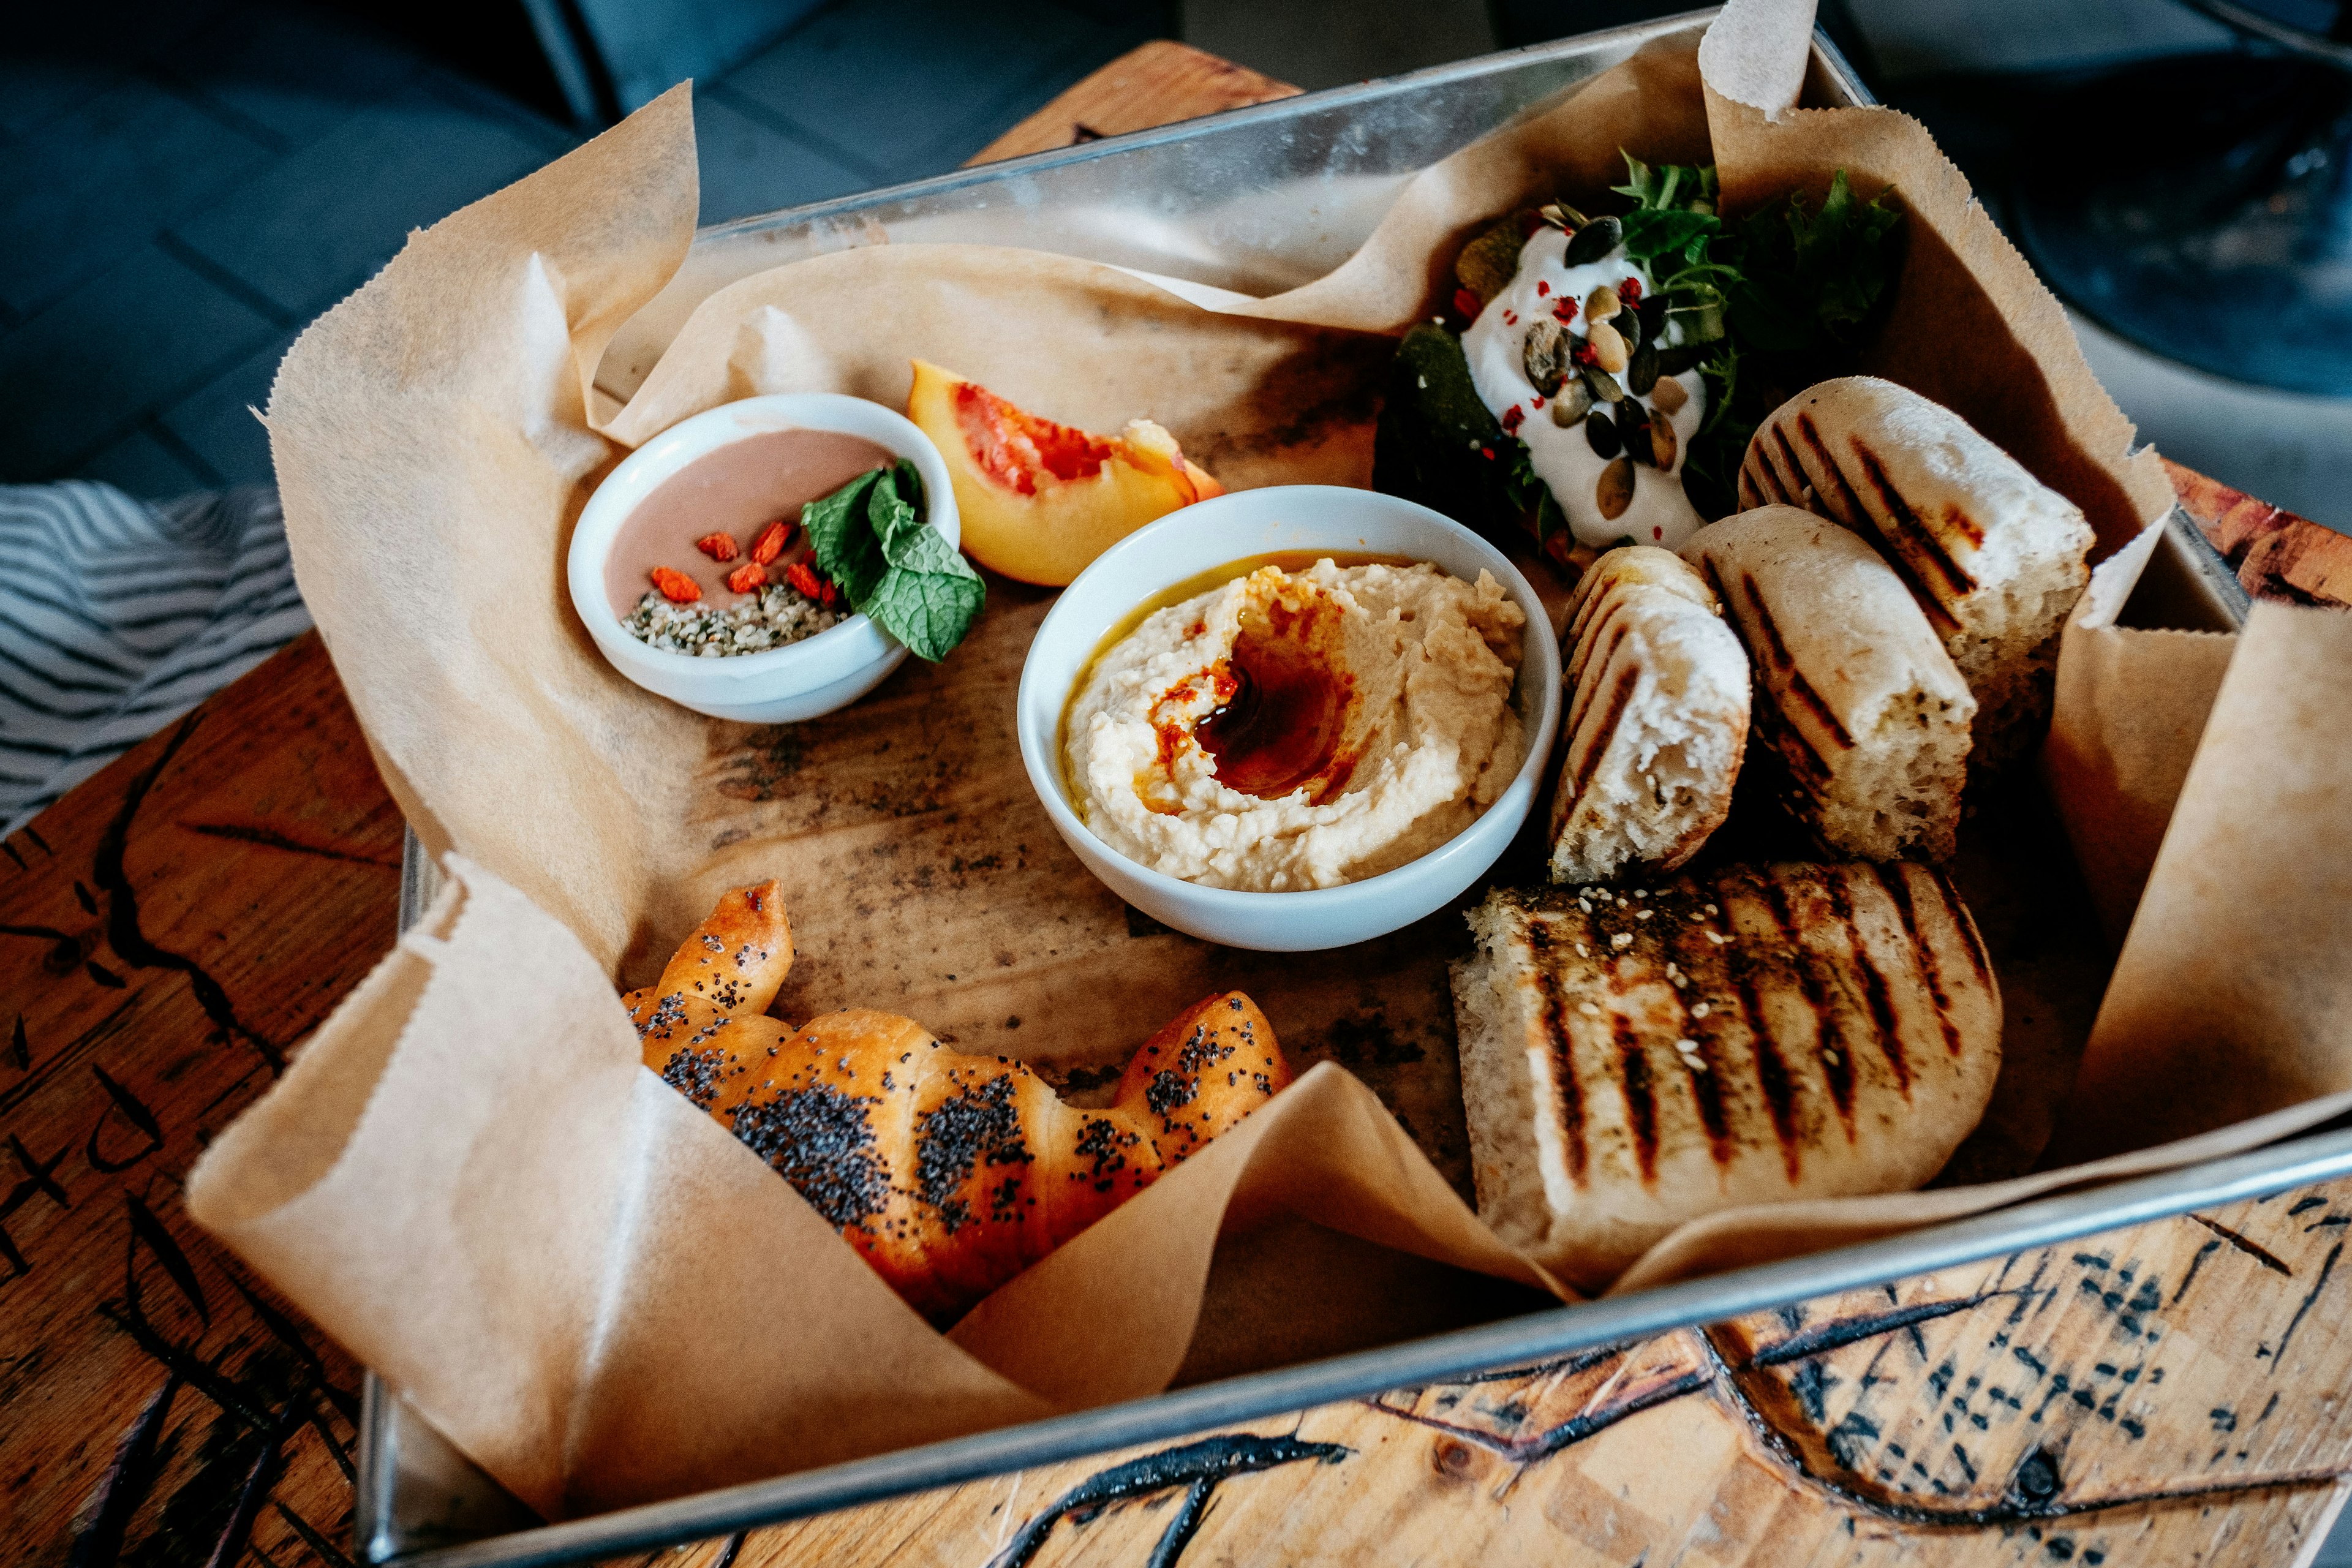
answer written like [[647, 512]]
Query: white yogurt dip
[[1564, 459]]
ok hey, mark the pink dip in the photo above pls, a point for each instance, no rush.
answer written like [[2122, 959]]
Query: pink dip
[[737, 489]]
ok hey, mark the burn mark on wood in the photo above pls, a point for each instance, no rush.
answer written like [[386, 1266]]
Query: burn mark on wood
[[146, 1229], [1197, 1467], [122, 929], [2022, 1502], [2253, 1249], [270, 839], [126, 1484], [134, 1112], [2317, 1285], [1838, 1333]]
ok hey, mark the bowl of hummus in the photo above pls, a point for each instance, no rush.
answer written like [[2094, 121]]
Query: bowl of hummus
[[1292, 719]]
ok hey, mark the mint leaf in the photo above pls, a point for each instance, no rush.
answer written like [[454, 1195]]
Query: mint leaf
[[929, 611], [843, 541], [869, 536]]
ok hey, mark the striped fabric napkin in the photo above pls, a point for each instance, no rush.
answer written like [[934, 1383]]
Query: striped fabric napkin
[[117, 616]]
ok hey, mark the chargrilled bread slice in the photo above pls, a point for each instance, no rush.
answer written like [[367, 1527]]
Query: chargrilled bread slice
[[1657, 694], [1994, 556], [949, 1173], [1633, 1060], [1857, 697]]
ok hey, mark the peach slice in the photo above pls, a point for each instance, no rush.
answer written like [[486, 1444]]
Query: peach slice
[[1040, 501]]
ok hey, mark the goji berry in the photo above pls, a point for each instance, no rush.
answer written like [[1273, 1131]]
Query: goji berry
[[1513, 417], [1466, 303], [675, 586], [746, 577], [718, 546], [1564, 312], [771, 542], [1629, 291], [804, 577]]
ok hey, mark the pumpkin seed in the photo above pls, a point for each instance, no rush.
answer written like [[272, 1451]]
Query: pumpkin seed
[[1545, 356], [1487, 263], [1680, 358], [1627, 325], [1594, 240], [1601, 384], [1653, 317], [1641, 370], [1609, 350], [1669, 394], [1614, 489], [1602, 431], [1602, 304], [1559, 215], [1571, 403], [1661, 439], [1634, 430]]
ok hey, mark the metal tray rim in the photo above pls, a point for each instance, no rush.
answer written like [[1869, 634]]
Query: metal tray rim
[[1532, 1337]]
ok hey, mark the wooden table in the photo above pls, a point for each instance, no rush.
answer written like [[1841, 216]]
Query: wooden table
[[178, 924]]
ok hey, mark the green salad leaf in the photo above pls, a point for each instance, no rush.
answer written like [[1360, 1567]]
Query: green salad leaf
[[870, 538]]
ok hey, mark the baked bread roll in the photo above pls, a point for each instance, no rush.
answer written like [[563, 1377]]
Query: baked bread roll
[[1630, 1062], [949, 1173], [1994, 556], [1656, 720], [1858, 698]]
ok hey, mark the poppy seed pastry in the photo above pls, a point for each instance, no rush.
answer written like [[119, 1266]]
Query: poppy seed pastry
[[1656, 718], [1634, 1061], [1855, 694], [1994, 557], [949, 1173]]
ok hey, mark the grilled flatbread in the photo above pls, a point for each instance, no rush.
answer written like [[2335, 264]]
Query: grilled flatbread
[[1995, 557], [1633, 1060], [1855, 694], [1657, 692]]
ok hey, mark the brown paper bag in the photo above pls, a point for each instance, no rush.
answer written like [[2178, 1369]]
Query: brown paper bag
[[589, 1286]]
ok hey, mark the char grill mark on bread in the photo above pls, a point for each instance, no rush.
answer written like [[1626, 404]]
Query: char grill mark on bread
[[1759, 1034], [1995, 558], [949, 1173], [1857, 697], [1657, 717], [1567, 1088]]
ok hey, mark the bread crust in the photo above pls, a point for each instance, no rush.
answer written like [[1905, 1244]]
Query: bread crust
[[949, 1173], [1656, 718], [1995, 558], [1841, 1034], [1860, 702]]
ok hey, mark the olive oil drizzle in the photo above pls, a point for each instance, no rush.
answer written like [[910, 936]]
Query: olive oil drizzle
[[1256, 749]]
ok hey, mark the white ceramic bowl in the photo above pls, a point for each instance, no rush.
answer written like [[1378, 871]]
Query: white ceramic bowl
[[1213, 533], [802, 680]]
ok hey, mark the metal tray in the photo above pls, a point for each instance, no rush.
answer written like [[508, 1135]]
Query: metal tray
[[1256, 199]]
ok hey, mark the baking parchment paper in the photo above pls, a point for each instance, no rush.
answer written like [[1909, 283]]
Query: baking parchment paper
[[469, 1179]]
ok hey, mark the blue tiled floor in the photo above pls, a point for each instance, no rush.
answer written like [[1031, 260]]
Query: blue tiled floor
[[185, 182]]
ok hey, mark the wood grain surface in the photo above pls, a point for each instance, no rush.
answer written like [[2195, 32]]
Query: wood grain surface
[[2277, 554], [172, 930]]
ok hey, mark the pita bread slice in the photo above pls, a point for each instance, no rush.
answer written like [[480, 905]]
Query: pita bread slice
[[1995, 557], [1633, 1060]]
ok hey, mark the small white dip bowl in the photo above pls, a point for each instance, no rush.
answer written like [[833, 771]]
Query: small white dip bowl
[[781, 685], [1213, 533]]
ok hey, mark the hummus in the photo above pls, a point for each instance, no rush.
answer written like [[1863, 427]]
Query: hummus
[[1300, 730]]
